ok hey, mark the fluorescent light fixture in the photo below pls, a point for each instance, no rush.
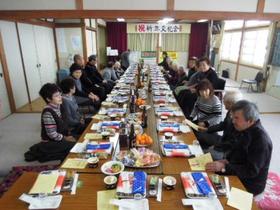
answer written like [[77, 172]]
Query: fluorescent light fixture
[[120, 19], [202, 20], [165, 20]]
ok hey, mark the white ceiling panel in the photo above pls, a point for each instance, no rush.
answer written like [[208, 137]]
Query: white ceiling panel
[[37, 4], [125, 4], [272, 6], [217, 5]]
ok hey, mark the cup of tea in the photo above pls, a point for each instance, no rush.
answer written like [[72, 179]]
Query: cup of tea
[[113, 116], [92, 162], [164, 117], [110, 182], [168, 135], [169, 182], [105, 134]]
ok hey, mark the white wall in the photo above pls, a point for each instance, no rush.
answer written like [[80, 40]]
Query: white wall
[[217, 5], [125, 4], [272, 6], [12, 52], [5, 109], [69, 42], [36, 4], [231, 66], [272, 88]]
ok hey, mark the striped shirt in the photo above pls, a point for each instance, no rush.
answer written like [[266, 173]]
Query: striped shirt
[[207, 110], [50, 124]]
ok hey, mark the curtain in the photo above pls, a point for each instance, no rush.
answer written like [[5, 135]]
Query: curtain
[[116, 36], [198, 39], [142, 42], [175, 42]]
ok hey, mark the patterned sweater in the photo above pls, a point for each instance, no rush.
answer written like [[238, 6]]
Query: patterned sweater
[[50, 128], [208, 110]]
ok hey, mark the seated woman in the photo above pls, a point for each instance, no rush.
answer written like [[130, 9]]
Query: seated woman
[[70, 110], [118, 70], [219, 145], [186, 98], [192, 68], [56, 141], [109, 73], [83, 96], [208, 108]]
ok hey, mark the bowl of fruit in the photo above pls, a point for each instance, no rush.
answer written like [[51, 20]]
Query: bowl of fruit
[[112, 167], [143, 140]]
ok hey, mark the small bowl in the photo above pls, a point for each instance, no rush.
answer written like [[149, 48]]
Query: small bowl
[[169, 182], [168, 135], [110, 182], [164, 117], [113, 116], [105, 134], [161, 105], [92, 162]]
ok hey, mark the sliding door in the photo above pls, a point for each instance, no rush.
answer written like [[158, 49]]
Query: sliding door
[[13, 58], [44, 41], [30, 58]]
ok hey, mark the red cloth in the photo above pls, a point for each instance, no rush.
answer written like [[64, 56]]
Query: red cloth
[[198, 39], [117, 36]]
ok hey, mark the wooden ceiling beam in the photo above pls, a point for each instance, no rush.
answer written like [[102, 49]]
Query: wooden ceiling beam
[[260, 6], [136, 14]]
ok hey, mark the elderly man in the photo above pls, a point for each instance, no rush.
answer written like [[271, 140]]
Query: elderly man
[[220, 145], [250, 156]]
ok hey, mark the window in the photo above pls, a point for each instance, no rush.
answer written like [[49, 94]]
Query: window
[[233, 24], [254, 47], [230, 46], [254, 44]]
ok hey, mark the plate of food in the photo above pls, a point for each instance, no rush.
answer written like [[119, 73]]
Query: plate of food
[[143, 140], [112, 167], [139, 158]]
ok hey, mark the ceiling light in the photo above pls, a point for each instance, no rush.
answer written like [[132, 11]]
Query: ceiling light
[[165, 20], [120, 19], [202, 20]]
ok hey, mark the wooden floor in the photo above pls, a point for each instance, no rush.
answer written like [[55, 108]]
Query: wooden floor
[[35, 106]]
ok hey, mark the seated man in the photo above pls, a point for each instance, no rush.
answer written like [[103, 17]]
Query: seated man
[[250, 156], [56, 142], [94, 76], [208, 136]]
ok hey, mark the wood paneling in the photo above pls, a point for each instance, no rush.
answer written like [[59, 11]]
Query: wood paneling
[[107, 14], [170, 5], [260, 6], [79, 4], [7, 76]]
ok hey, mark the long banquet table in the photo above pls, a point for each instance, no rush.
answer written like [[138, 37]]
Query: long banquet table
[[92, 178]]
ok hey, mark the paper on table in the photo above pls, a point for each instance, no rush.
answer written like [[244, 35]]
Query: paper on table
[[240, 199], [196, 150], [45, 183], [93, 136], [79, 147], [76, 163], [103, 198], [203, 204], [198, 163], [191, 124]]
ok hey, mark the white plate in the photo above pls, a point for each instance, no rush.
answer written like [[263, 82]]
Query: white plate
[[147, 107], [109, 164]]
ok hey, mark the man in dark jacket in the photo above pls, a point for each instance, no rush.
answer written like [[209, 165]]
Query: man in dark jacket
[[250, 156], [94, 76]]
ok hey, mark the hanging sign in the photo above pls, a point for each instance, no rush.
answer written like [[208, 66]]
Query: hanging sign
[[158, 28]]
